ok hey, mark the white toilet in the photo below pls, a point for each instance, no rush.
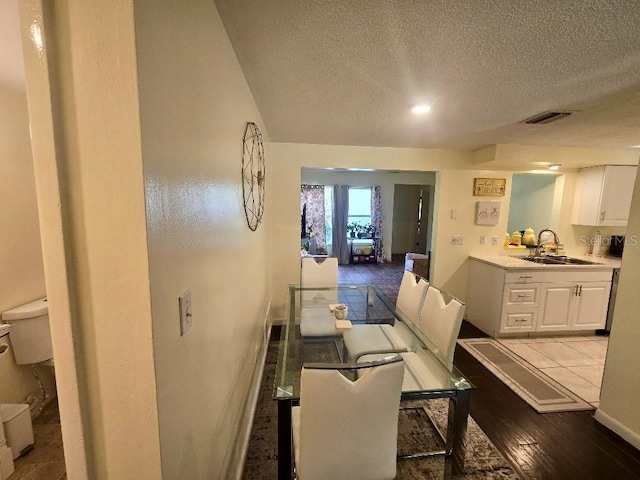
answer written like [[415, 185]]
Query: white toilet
[[31, 340]]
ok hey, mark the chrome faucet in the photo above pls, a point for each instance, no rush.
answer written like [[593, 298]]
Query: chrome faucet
[[539, 247]]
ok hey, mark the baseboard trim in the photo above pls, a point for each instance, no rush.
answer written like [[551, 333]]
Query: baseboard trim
[[252, 401], [615, 426]]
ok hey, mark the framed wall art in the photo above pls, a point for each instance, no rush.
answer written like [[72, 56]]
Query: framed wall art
[[487, 213], [489, 187]]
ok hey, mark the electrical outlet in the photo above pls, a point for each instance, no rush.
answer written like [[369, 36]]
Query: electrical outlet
[[456, 240], [454, 214], [186, 314], [481, 239], [494, 240]]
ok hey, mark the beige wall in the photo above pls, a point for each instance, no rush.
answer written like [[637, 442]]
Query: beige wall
[[288, 159], [454, 190], [91, 199], [621, 382], [22, 278], [387, 182], [194, 105]]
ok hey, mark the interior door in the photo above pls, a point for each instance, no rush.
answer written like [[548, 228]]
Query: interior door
[[411, 204]]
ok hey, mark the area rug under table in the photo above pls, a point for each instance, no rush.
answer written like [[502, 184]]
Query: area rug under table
[[543, 393]]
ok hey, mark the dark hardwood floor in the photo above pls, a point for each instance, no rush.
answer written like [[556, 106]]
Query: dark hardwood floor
[[569, 445]]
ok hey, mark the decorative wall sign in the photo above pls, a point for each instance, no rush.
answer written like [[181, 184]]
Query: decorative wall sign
[[253, 175], [487, 213], [489, 187]]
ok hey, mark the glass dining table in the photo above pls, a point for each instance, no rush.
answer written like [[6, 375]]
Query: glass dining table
[[311, 334]]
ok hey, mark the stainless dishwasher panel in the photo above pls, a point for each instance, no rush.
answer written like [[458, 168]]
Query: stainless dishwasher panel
[[612, 299]]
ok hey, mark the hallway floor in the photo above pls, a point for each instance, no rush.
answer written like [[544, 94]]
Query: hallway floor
[[46, 460]]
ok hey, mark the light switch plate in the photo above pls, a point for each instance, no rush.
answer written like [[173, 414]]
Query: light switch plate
[[186, 317]]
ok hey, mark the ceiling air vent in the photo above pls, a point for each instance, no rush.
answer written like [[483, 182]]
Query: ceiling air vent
[[547, 117]]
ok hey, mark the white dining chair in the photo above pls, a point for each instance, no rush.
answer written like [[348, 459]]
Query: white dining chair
[[440, 321], [370, 339], [411, 295], [347, 429], [313, 273], [315, 318]]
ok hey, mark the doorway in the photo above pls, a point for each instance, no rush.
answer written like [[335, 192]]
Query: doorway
[[412, 219]]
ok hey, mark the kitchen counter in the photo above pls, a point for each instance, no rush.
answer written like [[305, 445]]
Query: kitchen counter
[[509, 296], [508, 262]]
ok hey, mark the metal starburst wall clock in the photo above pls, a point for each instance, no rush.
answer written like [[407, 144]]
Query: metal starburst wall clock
[[253, 175]]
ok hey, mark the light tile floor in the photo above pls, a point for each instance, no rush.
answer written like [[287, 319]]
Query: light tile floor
[[46, 460], [575, 362]]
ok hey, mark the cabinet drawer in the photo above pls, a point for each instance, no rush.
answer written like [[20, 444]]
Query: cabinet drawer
[[521, 320], [520, 294], [523, 276]]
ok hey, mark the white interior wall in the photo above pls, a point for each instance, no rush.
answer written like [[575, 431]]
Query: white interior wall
[[387, 182], [290, 158], [22, 278], [194, 105], [454, 191], [621, 382]]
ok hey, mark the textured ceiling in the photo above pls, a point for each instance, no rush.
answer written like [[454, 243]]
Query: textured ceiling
[[348, 72]]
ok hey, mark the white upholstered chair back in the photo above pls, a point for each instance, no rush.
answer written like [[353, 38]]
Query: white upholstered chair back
[[324, 273], [345, 429], [411, 295], [440, 321]]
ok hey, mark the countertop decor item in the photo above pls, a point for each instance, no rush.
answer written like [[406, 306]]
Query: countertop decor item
[[529, 237], [253, 175]]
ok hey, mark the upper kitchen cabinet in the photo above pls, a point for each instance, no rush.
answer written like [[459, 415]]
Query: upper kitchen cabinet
[[603, 195]]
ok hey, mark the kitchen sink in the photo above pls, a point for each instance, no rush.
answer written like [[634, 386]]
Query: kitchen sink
[[558, 261]]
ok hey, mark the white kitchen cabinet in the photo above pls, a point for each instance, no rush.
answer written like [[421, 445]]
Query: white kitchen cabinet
[[603, 195], [574, 306], [523, 301], [557, 309]]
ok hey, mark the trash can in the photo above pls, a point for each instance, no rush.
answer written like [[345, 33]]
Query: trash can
[[16, 419]]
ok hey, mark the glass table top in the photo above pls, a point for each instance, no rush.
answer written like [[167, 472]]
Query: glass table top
[[309, 335]]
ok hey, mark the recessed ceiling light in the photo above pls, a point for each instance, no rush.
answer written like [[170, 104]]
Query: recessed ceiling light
[[421, 108], [554, 166]]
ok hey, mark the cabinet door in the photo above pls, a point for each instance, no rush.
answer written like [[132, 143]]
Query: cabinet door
[[557, 303], [591, 306], [617, 191]]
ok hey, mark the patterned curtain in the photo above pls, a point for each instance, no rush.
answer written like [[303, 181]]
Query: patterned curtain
[[376, 221], [313, 197]]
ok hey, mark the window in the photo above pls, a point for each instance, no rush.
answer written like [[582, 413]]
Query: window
[[359, 205]]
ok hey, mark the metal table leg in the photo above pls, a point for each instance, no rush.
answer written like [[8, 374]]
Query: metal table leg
[[285, 440], [456, 433]]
